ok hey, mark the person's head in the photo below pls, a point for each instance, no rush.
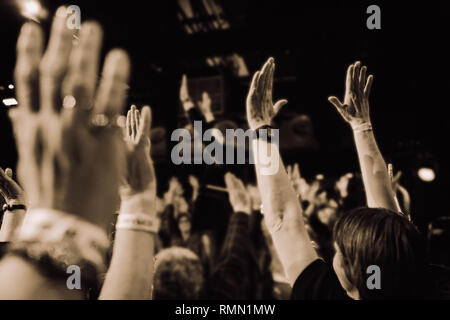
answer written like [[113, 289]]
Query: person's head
[[178, 275], [378, 237], [184, 223]]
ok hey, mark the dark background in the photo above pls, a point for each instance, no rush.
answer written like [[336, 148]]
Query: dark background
[[313, 42]]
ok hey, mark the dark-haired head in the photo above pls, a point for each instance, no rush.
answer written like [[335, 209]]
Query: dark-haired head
[[378, 237]]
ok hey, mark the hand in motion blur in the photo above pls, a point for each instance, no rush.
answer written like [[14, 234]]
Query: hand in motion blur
[[355, 107], [300, 185], [193, 181], [140, 175], [184, 93], [255, 197], [205, 107], [238, 195], [175, 191], [70, 149], [260, 107], [9, 189]]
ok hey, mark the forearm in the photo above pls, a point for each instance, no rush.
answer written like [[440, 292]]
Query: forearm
[[374, 171], [282, 212], [10, 224], [130, 274]]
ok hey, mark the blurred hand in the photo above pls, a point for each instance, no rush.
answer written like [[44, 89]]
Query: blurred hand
[[9, 189], [260, 108], [395, 180], [184, 93], [239, 197], [342, 184], [299, 184], [70, 149], [205, 107], [355, 107], [175, 190], [193, 181], [255, 197]]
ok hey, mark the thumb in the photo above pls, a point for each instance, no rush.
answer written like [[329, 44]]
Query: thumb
[[335, 102], [278, 105], [9, 172]]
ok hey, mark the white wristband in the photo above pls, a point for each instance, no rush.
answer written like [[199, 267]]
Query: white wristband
[[138, 222], [362, 127]]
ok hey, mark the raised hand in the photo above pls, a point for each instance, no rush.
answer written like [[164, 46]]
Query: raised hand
[[254, 196], [184, 93], [239, 197], [9, 189], [140, 174], [205, 107], [355, 107], [70, 148], [260, 107]]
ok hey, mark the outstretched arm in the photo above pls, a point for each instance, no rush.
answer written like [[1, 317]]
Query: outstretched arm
[[130, 274], [281, 208], [355, 110]]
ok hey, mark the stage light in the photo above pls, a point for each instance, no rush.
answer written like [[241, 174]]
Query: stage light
[[11, 86], [426, 174], [10, 102], [32, 9]]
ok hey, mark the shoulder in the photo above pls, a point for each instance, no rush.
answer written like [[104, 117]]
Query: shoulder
[[318, 282]]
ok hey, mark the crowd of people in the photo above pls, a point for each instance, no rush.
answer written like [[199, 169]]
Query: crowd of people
[[85, 195]]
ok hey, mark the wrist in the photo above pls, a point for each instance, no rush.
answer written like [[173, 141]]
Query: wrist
[[361, 126], [15, 208], [139, 203]]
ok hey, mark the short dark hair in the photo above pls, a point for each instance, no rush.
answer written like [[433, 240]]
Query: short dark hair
[[381, 237], [178, 275]]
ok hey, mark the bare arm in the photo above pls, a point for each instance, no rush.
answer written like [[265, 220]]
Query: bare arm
[[130, 274], [355, 110], [281, 208]]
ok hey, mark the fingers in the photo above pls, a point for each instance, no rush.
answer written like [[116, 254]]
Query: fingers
[[133, 121], [81, 78], [269, 84], [29, 53], [340, 107], [348, 79], [335, 102], [205, 96], [113, 87], [368, 86], [145, 124], [278, 105], [53, 66], [254, 84], [229, 181], [296, 171], [362, 79], [355, 77], [128, 124], [264, 76], [9, 172], [289, 171]]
